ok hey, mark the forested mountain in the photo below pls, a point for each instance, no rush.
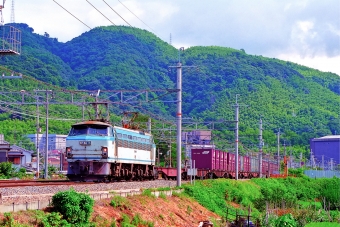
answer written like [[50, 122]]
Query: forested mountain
[[303, 102]]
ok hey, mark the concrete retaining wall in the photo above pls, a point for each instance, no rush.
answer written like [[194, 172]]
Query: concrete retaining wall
[[38, 205]]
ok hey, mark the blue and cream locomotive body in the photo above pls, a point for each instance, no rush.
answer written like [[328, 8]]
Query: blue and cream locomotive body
[[99, 151]]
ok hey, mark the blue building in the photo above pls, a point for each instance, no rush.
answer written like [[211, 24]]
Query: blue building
[[326, 151]]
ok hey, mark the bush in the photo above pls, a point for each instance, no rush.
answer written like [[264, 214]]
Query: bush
[[331, 193], [21, 173], [6, 170], [286, 220], [54, 219], [75, 207]]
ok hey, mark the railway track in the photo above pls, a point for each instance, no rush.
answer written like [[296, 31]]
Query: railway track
[[22, 183]]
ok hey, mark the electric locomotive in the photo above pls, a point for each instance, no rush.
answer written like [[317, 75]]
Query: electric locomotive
[[99, 151]]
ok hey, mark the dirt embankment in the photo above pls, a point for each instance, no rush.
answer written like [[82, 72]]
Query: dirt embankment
[[162, 212]]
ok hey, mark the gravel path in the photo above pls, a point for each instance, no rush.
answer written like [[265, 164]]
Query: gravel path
[[21, 195]]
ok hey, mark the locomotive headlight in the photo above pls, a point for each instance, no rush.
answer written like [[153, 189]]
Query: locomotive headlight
[[69, 152], [104, 152]]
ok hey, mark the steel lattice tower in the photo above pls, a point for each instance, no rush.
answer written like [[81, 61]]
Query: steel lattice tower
[[12, 13]]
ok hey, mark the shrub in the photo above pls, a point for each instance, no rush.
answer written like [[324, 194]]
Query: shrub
[[75, 207], [6, 170], [54, 219], [286, 220]]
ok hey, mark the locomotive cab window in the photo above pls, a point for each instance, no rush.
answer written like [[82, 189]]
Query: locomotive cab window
[[98, 130]]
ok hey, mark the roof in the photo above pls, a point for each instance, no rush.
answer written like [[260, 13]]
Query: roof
[[330, 137], [92, 123]]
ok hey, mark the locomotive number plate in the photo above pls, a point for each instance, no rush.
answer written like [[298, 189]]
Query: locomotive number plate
[[84, 143]]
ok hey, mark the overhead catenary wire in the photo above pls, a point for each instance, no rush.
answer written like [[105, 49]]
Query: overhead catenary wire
[[73, 15], [136, 16], [100, 12], [117, 13]]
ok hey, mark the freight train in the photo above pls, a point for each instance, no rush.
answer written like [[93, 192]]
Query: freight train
[[99, 151], [213, 163]]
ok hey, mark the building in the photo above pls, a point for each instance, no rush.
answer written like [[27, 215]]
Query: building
[[325, 151], [55, 141], [196, 138], [18, 156]]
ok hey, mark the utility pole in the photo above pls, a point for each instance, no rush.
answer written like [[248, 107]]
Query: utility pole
[[260, 148], [236, 138], [46, 148], [179, 113], [179, 121], [278, 151], [331, 164], [290, 156], [38, 153]]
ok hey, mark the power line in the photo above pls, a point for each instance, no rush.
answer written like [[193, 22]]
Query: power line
[[117, 13], [73, 15], [100, 12], [136, 16]]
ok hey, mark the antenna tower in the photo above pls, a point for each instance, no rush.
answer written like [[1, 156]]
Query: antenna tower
[[1, 7], [12, 13], [170, 38]]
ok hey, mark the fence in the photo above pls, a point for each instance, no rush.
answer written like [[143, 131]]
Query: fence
[[322, 173]]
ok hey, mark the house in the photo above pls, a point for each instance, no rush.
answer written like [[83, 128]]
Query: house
[[19, 156]]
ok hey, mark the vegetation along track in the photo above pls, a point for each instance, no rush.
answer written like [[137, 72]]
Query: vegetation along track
[[44, 191]]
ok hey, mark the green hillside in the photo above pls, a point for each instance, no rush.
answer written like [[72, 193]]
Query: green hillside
[[303, 102]]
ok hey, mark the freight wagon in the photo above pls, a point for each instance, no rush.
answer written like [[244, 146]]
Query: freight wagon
[[213, 163]]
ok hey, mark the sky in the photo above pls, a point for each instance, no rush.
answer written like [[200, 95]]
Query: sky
[[306, 32]]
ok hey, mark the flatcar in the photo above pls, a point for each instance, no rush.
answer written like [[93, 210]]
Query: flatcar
[[99, 151]]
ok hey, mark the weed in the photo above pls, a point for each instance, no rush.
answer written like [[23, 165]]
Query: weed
[[161, 217], [162, 195], [148, 193], [120, 202], [189, 210], [164, 189]]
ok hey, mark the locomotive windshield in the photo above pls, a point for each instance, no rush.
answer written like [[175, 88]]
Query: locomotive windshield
[[99, 130]]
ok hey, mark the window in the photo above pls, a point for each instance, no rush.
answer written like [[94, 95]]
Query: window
[[15, 161], [119, 135], [130, 137], [124, 136]]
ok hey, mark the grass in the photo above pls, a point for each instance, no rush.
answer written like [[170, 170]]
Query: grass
[[322, 224]]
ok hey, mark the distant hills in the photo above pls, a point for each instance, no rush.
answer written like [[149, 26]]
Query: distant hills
[[303, 102]]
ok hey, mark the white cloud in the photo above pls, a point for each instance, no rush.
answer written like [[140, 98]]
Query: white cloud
[[322, 62], [309, 29]]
